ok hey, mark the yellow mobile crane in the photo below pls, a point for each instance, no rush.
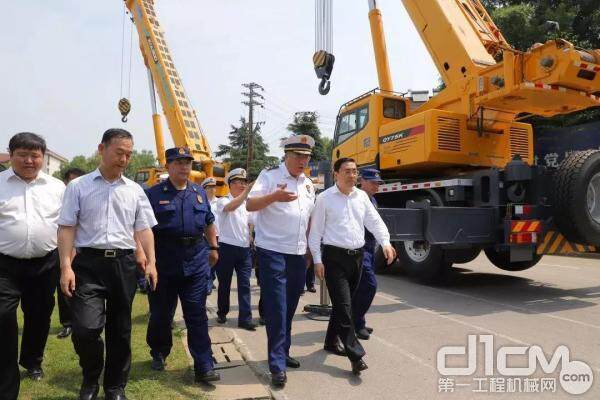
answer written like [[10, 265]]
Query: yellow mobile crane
[[459, 169], [181, 118]]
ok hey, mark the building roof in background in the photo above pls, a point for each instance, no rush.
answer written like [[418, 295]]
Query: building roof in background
[[56, 155], [4, 157]]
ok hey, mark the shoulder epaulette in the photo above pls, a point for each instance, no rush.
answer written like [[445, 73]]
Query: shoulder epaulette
[[274, 167]]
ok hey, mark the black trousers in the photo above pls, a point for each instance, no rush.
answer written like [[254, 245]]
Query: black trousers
[[342, 275], [32, 282], [104, 292]]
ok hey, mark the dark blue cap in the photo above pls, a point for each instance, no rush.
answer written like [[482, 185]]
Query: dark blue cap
[[371, 174], [176, 153]]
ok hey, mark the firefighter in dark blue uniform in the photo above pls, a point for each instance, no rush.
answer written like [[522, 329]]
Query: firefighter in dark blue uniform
[[367, 287], [184, 221]]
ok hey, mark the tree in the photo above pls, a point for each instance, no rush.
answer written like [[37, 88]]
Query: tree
[[305, 123], [138, 160], [236, 152]]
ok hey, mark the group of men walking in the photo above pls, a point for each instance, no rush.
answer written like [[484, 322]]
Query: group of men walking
[[103, 228]]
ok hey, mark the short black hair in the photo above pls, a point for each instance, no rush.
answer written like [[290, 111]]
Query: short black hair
[[73, 171], [115, 133], [340, 161], [28, 141]]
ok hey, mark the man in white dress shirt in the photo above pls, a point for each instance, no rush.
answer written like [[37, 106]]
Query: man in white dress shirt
[[283, 198], [338, 225], [210, 187], [104, 215], [234, 249], [29, 205]]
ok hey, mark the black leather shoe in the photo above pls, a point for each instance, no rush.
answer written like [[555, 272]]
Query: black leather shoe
[[221, 319], [312, 289], [358, 366], [369, 329], [89, 391], [336, 349], [292, 362], [115, 396], [35, 373], [249, 326], [262, 321], [363, 334], [64, 332], [158, 363], [278, 379], [208, 376]]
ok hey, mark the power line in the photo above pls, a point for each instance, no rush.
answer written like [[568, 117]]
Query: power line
[[252, 94]]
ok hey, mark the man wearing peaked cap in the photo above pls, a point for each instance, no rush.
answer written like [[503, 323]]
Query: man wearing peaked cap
[[210, 187], [234, 249], [279, 194], [370, 179], [184, 218]]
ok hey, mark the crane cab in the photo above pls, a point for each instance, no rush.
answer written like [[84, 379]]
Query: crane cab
[[359, 121]]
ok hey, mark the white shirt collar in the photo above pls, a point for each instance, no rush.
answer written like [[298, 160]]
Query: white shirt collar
[[352, 192], [40, 176], [96, 173]]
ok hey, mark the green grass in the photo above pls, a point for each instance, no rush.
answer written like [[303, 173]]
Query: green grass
[[63, 374]]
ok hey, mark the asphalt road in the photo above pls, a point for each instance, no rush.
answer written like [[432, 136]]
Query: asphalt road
[[555, 303]]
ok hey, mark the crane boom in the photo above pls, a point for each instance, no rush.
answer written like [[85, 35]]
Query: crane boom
[[181, 117]]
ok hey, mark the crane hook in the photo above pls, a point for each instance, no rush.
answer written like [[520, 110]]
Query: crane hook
[[324, 86], [124, 108]]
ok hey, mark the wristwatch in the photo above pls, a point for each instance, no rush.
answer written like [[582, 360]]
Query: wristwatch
[[214, 247]]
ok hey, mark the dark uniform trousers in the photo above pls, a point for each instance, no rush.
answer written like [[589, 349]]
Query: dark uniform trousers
[[342, 275], [64, 310], [104, 292], [239, 259], [367, 288], [32, 282], [191, 289], [281, 282], [310, 276], [254, 254]]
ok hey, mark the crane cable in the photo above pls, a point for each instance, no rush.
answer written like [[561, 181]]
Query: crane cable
[[124, 103], [323, 59]]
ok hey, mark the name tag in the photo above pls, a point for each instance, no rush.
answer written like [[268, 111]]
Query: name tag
[[164, 202]]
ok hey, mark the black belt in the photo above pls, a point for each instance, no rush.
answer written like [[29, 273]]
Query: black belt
[[183, 240], [107, 253], [341, 250]]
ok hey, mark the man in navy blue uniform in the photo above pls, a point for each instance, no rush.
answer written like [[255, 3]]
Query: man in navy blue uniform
[[184, 219], [370, 179]]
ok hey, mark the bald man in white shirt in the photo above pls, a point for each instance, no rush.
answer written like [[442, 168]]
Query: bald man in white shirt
[[30, 202], [338, 223]]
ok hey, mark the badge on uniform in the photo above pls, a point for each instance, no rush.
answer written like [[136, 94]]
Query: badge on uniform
[[199, 199], [164, 202], [281, 185], [308, 188]]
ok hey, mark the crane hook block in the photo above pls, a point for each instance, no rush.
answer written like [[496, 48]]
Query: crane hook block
[[323, 62], [124, 108]]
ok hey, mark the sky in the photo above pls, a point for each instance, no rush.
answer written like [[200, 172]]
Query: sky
[[61, 65]]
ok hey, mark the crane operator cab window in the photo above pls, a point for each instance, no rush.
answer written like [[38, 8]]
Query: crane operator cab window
[[394, 108], [351, 123]]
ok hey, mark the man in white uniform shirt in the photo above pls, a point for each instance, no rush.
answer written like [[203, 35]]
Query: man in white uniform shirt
[[29, 205], [210, 187], [234, 249], [104, 215], [283, 198], [338, 223]]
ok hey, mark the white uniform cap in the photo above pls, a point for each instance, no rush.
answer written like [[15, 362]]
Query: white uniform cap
[[302, 144], [210, 181], [237, 173]]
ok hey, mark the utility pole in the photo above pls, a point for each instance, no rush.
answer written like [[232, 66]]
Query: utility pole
[[252, 94]]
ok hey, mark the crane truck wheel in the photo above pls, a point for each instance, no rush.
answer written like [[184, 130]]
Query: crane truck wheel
[[501, 259], [422, 261], [577, 197]]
